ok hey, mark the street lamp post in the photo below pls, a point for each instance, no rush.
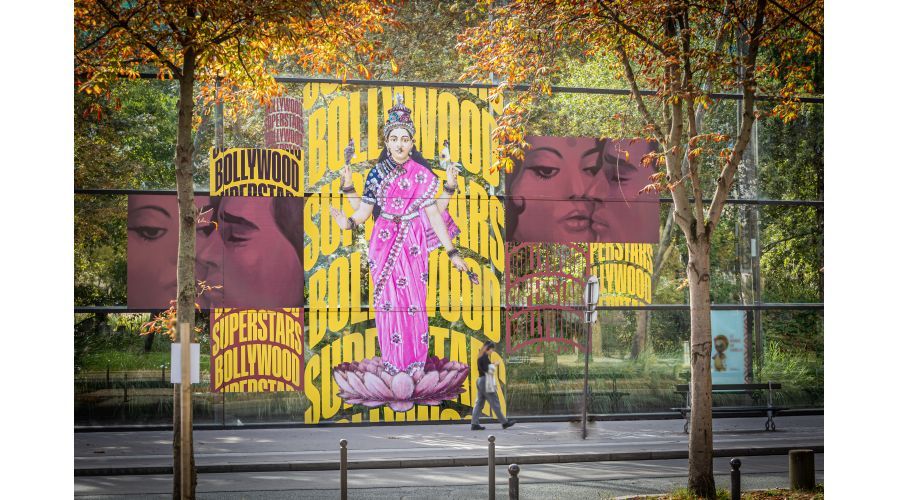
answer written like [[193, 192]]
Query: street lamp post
[[591, 293]]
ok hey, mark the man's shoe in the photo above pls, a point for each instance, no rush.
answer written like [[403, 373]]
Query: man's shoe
[[477, 427], [509, 423]]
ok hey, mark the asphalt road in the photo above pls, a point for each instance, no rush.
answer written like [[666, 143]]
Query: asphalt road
[[593, 480], [549, 480]]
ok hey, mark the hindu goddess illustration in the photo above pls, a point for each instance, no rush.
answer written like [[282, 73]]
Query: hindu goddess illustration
[[410, 222]]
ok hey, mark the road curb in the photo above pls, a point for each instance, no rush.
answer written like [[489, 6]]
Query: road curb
[[597, 417], [440, 462]]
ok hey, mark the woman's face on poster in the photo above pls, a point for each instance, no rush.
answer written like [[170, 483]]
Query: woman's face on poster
[[577, 189], [153, 252]]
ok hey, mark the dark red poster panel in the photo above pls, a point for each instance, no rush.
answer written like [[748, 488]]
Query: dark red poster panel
[[582, 189], [249, 250]]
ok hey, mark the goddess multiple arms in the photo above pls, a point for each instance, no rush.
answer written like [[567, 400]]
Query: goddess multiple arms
[[358, 218], [450, 187], [440, 229], [348, 189]]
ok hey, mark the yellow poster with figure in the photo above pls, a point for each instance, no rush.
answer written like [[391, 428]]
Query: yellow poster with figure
[[403, 252]]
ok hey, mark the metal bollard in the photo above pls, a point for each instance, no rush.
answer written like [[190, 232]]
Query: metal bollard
[[343, 469], [513, 482], [735, 479], [491, 468], [802, 469]]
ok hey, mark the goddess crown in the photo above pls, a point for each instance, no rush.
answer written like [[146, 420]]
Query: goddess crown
[[399, 117]]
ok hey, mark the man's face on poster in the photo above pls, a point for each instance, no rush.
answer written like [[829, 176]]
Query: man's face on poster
[[244, 256]]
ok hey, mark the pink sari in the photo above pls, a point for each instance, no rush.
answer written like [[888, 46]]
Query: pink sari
[[398, 262]]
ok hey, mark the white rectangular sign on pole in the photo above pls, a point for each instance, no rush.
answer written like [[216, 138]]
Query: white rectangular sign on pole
[[176, 363]]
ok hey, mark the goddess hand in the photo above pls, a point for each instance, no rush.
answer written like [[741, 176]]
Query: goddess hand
[[341, 219], [452, 172], [459, 263], [346, 177]]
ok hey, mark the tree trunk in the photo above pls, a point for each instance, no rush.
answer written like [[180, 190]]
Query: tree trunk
[[700, 448], [639, 342], [184, 183], [148, 342]]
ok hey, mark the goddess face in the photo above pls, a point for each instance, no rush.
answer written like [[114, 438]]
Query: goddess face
[[399, 144]]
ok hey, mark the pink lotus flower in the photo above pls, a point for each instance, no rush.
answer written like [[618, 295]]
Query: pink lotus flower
[[367, 382]]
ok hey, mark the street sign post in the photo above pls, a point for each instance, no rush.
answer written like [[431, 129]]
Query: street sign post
[[591, 294]]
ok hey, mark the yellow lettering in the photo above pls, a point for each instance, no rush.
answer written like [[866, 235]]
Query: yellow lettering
[[318, 155]]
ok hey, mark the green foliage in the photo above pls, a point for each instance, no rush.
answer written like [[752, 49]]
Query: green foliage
[[793, 246], [135, 147], [588, 115], [425, 45], [686, 494], [132, 149], [790, 367]]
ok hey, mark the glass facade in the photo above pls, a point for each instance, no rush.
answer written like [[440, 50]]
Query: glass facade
[[767, 259]]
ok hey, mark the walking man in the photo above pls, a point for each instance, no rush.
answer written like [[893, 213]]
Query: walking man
[[487, 389]]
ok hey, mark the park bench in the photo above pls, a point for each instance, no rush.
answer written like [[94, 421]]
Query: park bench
[[769, 410], [615, 395]]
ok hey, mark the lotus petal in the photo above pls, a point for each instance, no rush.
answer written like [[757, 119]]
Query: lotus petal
[[353, 401], [417, 375], [430, 402], [401, 405], [427, 384], [460, 376], [402, 386], [377, 387], [386, 377], [373, 403], [341, 381], [359, 387], [454, 385], [446, 379]]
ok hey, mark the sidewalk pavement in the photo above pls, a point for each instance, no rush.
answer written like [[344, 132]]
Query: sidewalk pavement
[[304, 449]]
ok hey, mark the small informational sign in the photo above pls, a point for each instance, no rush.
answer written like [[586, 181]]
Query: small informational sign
[[727, 364], [176, 363]]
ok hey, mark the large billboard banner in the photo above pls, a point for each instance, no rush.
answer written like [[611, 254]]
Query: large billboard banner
[[256, 330], [248, 251], [367, 270], [394, 326], [582, 189]]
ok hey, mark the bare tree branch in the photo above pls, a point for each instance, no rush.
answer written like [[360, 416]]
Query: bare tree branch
[[141, 40], [796, 18], [640, 36], [636, 94]]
